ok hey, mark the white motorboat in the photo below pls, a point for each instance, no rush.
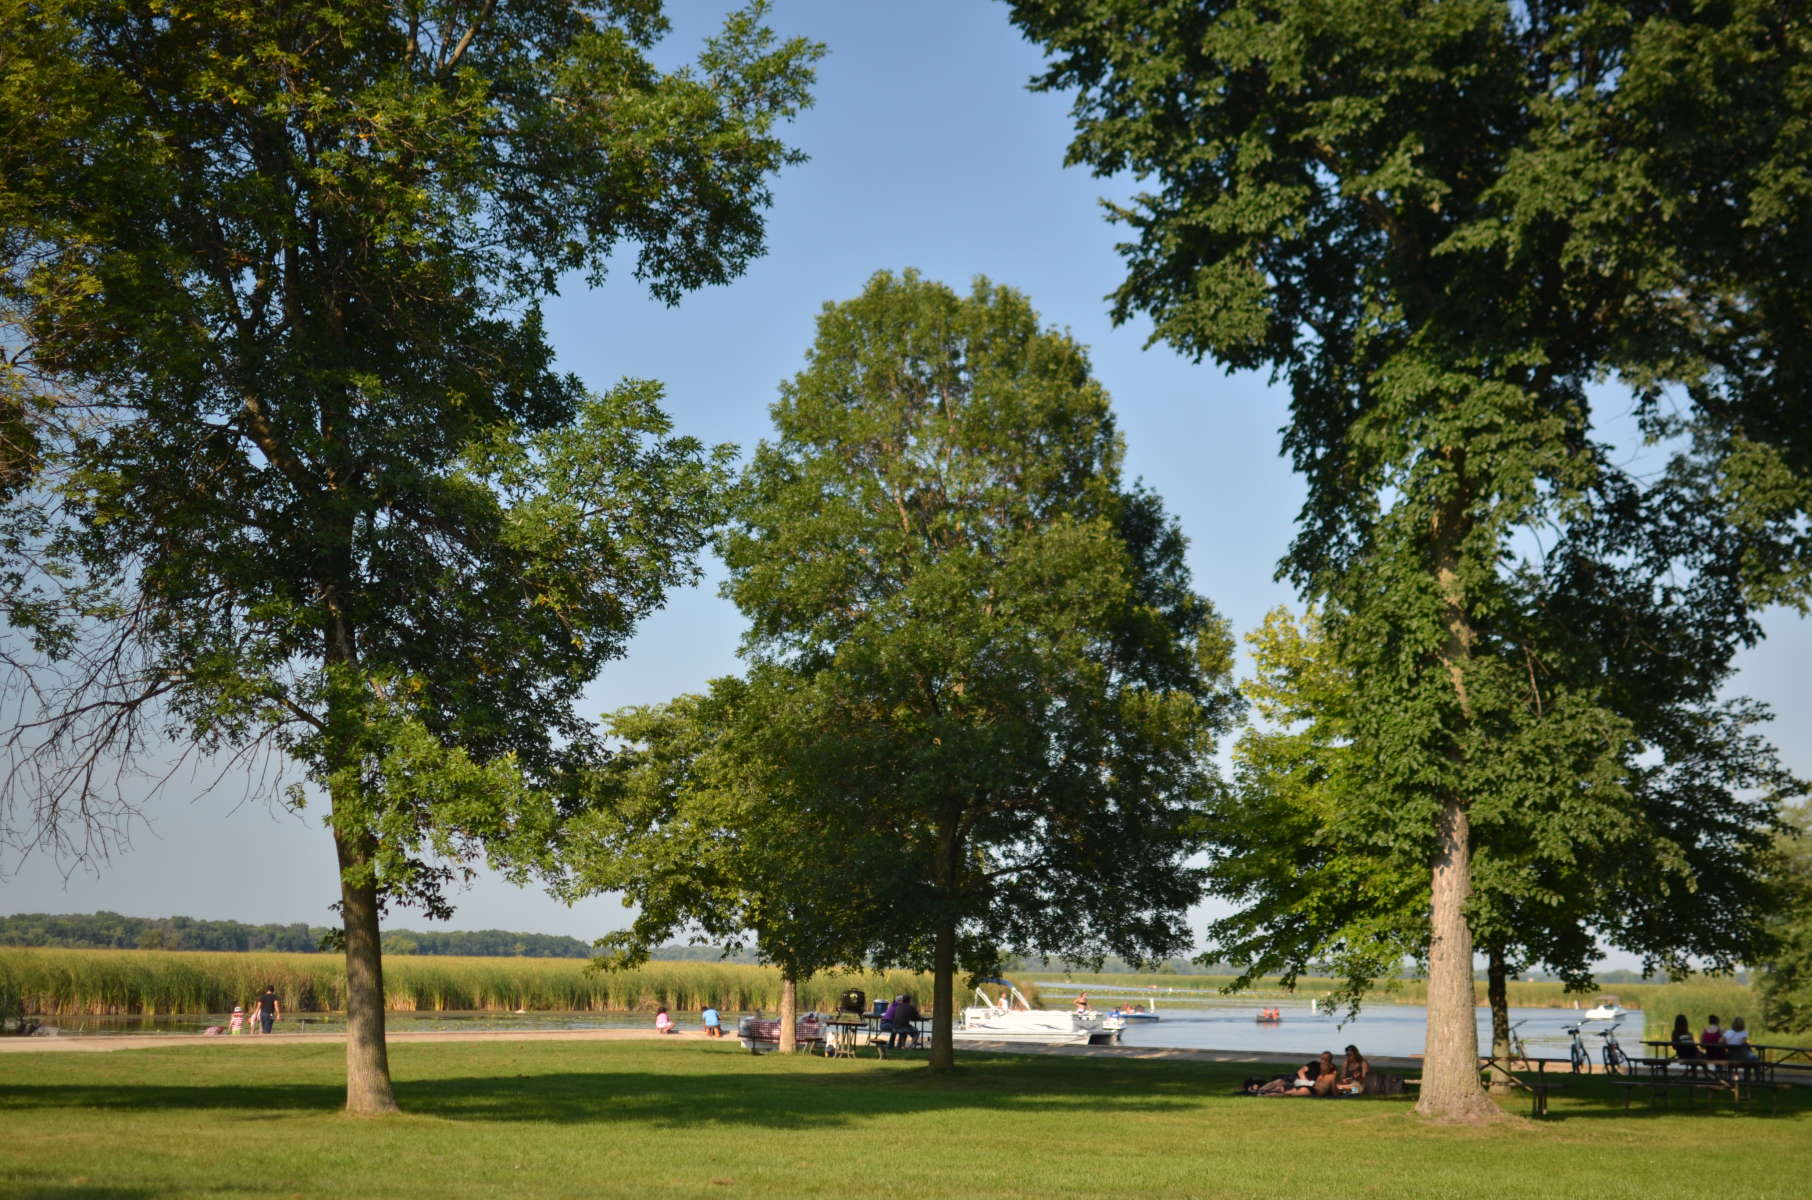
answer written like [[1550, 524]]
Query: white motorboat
[[1607, 1009], [1015, 1020]]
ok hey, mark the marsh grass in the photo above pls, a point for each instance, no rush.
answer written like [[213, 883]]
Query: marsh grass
[[1698, 999], [667, 1118], [150, 982]]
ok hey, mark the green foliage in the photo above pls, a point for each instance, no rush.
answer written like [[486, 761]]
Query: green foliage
[[1441, 223], [106, 930], [1634, 846], [1786, 980], [975, 653], [700, 827]]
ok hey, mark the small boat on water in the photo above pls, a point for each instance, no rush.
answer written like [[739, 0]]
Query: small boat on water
[[1607, 1009], [1015, 1020], [1138, 1012]]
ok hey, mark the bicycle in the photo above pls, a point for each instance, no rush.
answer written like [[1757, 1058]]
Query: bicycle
[[1518, 1052], [1611, 1055], [1615, 1061]]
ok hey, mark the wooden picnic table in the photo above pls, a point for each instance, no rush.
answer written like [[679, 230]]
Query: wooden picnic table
[[1538, 1088], [1738, 1078]]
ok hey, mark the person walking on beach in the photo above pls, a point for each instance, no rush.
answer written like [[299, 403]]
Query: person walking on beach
[[267, 1008]]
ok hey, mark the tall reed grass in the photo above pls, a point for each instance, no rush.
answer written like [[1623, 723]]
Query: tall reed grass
[[103, 982], [1699, 998]]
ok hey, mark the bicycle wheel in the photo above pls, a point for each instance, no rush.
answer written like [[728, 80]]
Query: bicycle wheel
[[1614, 1061], [1581, 1060]]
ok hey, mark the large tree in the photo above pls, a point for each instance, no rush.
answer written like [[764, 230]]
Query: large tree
[[332, 498], [995, 654], [1626, 839], [1439, 223]]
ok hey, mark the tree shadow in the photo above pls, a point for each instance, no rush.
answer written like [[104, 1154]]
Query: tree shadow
[[725, 1094]]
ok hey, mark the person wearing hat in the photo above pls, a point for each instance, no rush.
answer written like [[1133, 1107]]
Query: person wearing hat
[[237, 1023]]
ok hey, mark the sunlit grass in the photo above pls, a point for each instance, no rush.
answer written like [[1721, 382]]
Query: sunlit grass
[[672, 1118]]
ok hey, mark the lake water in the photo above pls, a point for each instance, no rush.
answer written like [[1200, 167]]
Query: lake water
[[1196, 1023]]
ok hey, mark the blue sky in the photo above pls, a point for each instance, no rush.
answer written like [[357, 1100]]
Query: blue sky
[[927, 151]]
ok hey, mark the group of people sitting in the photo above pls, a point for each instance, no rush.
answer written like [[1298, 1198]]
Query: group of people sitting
[[1714, 1041], [714, 1027], [1319, 1077], [899, 1021]]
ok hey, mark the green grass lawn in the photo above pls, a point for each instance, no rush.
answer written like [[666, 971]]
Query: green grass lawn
[[647, 1119]]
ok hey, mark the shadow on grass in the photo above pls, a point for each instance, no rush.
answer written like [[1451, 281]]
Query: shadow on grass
[[1600, 1100], [747, 1099]]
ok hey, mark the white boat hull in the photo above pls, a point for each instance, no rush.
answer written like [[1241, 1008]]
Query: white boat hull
[[1033, 1026]]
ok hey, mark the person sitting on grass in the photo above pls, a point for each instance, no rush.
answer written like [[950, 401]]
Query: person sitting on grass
[[1353, 1073], [662, 1022], [1327, 1075]]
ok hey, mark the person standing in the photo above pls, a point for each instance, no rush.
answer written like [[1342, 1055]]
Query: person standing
[[267, 1008]]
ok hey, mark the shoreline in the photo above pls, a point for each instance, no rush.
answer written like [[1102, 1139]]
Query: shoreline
[[102, 1043]]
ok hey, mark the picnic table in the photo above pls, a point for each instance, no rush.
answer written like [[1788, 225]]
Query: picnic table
[[1662, 1074], [1493, 1067]]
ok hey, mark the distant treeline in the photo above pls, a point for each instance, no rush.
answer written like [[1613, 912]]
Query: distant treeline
[[112, 931]]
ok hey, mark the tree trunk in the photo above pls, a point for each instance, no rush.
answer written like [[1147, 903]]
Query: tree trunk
[[1497, 993], [368, 1089], [943, 997], [367, 1059], [943, 951], [789, 1013], [1450, 1069]]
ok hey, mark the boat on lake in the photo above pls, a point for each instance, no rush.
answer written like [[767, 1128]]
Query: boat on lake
[[1013, 1019], [1607, 1009], [1138, 1012]]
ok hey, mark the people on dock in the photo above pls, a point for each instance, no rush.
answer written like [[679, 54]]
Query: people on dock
[[269, 1010], [1711, 1038], [714, 1026], [662, 1022], [1685, 1045]]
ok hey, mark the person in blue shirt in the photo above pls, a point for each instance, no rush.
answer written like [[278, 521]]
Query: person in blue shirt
[[713, 1023]]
